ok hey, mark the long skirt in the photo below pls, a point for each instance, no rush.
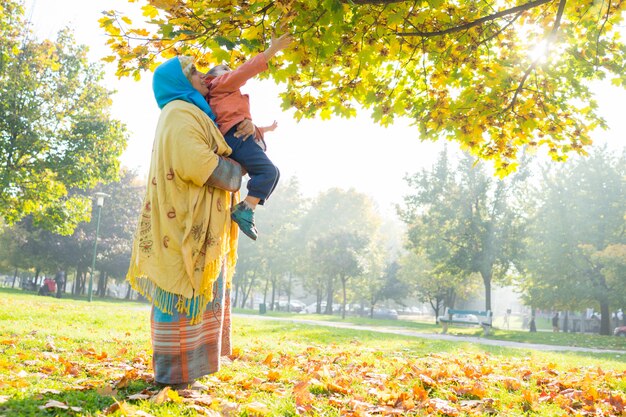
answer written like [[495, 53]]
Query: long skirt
[[182, 352]]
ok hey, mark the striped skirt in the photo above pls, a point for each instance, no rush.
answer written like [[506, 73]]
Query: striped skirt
[[182, 352]]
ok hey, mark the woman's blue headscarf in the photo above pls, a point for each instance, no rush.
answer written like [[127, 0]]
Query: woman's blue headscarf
[[169, 83]]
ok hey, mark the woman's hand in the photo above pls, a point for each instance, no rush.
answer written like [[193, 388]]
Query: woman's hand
[[244, 129]]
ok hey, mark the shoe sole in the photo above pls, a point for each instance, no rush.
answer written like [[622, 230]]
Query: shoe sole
[[249, 234]]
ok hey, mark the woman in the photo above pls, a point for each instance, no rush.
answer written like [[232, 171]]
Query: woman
[[184, 249]]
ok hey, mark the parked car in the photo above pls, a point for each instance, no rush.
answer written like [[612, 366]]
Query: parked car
[[620, 331], [312, 308], [466, 317], [385, 314], [295, 306]]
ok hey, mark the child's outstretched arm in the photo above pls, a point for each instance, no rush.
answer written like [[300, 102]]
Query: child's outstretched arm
[[276, 45], [270, 128]]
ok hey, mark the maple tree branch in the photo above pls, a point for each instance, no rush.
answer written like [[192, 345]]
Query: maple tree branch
[[374, 2], [502, 29], [477, 22], [606, 19], [550, 38]]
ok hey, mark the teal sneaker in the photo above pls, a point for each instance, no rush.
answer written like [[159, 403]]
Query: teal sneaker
[[244, 217]]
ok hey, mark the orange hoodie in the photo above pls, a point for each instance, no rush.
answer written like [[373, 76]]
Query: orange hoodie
[[230, 106]]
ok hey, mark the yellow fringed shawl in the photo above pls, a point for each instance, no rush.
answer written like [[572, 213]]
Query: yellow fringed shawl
[[185, 236]]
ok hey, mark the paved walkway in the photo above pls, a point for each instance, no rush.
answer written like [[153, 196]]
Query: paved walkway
[[436, 336]]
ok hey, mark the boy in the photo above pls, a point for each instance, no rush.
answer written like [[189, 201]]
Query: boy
[[231, 108]]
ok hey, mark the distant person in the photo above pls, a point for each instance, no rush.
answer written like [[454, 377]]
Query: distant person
[[231, 108], [532, 327], [59, 278], [555, 322], [507, 315]]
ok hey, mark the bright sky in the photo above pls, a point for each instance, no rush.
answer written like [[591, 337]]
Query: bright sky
[[353, 153]]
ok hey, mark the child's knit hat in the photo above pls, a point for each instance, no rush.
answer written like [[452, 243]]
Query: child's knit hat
[[186, 63]]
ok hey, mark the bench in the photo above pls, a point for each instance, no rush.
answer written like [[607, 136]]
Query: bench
[[467, 317]]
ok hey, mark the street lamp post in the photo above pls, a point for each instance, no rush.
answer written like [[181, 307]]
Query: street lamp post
[[99, 202]]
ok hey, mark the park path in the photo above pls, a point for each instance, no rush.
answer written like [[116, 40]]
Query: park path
[[437, 336]]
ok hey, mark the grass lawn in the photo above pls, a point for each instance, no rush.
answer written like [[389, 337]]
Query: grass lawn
[[74, 358], [542, 337]]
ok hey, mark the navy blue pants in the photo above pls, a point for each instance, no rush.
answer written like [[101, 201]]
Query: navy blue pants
[[263, 173]]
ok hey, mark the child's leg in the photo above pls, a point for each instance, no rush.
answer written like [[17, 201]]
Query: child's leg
[[263, 179], [263, 173]]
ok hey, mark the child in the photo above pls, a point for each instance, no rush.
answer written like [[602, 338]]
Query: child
[[231, 108]]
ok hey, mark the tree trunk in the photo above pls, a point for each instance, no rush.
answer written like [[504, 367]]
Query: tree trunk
[[289, 292], [605, 318], [329, 297], [267, 284], [533, 325], [129, 292], [14, 278], [487, 275], [318, 300], [102, 284], [343, 303], [449, 299], [246, 294], [273, 294], [237, 289]]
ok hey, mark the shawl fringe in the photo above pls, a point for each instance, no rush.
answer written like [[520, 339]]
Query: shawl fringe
[[193, 307]]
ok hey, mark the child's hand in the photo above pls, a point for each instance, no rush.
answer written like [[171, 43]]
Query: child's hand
[[272, 127], [278, 44], [281, 42], [269, 128]]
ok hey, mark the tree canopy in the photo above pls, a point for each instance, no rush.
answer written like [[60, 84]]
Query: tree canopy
[[495, 76], [56, 133]]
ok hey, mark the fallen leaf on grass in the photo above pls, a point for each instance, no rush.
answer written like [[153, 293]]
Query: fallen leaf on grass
[[18, 383], [257, 409], [420, 393], [9, 342], [106, 391], [139, 396], [302, 395], [204, 411], [129, 375], [273, 376], [59, 404], [141, 413], [229, 408], [123, 408], [236, 353], [50, 391], [442, 406], [161, 397], [333, 387]]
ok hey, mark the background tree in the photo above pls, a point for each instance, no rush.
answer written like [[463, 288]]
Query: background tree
[[494, 76], [580, 218], [333, 212], [277, 255], [56, 133], [377, 282], [464, 221], [117, 226], [437, 288], [340, 255]]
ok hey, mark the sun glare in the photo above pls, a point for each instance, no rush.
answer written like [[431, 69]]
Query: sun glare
[[539, 52]]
